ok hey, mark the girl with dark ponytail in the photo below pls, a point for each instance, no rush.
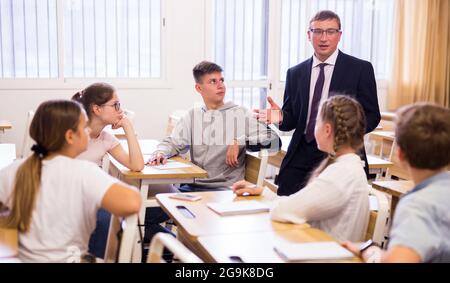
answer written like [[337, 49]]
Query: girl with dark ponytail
[[52, 199]]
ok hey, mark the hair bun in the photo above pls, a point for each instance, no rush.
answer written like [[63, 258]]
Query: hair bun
[[78, 96], [39, 150]]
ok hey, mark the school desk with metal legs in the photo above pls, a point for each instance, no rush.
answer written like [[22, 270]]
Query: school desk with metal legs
[[258, 247], [395, 189], [195, 219], [150, 175]]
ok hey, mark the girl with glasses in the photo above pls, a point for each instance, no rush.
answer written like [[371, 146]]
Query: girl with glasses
[[102, 106]]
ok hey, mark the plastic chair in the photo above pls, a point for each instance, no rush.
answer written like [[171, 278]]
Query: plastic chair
[[378, 226], [27, 140], [124, 243], [180, 252]]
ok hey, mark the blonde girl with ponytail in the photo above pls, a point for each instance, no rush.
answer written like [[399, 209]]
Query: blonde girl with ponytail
[[336, 197], [52, 198]]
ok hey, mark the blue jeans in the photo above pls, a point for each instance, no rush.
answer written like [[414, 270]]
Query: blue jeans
[[97, 242]]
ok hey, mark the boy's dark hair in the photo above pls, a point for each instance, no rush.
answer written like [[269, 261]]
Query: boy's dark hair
[[326, 15], [423, 133], [203, 68]]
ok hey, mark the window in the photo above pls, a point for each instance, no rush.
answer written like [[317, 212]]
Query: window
[[100, 39], [114, 39], [28, 39], [255, 59], [366, 26], [240, 37], [249, 97]]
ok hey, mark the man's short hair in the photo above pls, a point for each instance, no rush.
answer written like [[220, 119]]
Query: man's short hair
[[203, 68], [423, 133], [326, 15]]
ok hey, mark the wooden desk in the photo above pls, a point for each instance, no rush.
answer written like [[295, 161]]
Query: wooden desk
[[378, 163], [259, 247], [394, 188], [9, 245], [118, 133], [152, 175], [276, 159], [5, 125], [382, 142], [383, 135], [206, 222]]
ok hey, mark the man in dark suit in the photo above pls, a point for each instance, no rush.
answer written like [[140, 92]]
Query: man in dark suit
[[328, 72]]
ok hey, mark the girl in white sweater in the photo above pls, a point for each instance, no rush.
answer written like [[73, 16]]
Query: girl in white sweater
[[336, 197]]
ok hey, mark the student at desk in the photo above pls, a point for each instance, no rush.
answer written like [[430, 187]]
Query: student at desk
[[102, 106], [420, 229], [52, 197], [216, 135], [335, 199]]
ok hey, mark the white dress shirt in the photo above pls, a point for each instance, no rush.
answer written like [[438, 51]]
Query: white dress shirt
[[336, 201], [328, 71]]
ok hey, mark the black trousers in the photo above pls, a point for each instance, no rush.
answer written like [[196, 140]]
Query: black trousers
[[296, 170]]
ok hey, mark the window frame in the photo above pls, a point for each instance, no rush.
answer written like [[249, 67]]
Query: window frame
[[61, 82], [274, 84]]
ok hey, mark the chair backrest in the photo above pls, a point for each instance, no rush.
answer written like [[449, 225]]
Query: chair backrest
[[255, 167], [378, 226], [396, 169], [123, 239], [27, 140], [180, 252]]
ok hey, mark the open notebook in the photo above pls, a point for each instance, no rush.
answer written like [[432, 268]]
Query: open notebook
[[171, 164], [238, 207], [312, 251]]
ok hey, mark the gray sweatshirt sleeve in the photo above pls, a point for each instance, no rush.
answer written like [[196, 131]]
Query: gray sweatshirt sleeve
[[259, 134], [179, 140]]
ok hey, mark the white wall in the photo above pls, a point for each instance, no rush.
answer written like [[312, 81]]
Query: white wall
[[185, 47]]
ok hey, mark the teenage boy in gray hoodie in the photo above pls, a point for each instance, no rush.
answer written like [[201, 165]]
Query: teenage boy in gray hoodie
[[216, 134]]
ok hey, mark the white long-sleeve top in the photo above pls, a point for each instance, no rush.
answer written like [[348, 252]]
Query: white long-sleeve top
[[336, 201]]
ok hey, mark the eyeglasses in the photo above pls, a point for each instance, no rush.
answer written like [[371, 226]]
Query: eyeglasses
[[317, 32], [215, 82], [116, 105]]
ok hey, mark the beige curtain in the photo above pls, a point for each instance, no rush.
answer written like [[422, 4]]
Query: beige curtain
[[421, 69]]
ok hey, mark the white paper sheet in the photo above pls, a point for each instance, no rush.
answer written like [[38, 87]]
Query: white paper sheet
[[171, 164]]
